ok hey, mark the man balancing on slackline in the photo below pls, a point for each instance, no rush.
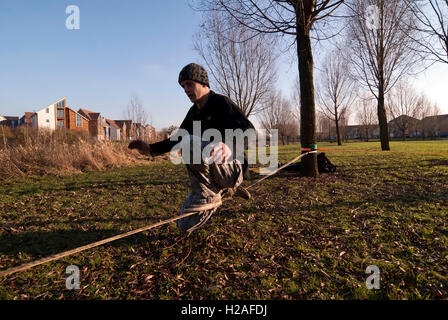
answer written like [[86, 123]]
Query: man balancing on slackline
[[218, 172]]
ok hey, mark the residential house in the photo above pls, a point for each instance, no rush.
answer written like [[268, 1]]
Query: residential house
[[9, 121], [150, 133], [123, 129], [359, 132], [433, 126], [26, 119], [96, 124], [57, 116], [128, 129], [144, 132], [105, 129], [115, 130], [2, 118], [409, 127], [403, 127], [139, 131], [46, 117]]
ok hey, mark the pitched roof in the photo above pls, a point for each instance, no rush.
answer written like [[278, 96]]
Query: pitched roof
[[94, 115], [90, 115], [442, 117], [121, 122], [403, 117], [77, 112], [113, 124], [11, 118], [104, 123], [27, 117]]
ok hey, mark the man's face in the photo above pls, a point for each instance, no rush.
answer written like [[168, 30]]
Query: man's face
[[194, 90]]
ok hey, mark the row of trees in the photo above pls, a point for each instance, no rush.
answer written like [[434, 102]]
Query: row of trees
[[382, 42], [411, 113]]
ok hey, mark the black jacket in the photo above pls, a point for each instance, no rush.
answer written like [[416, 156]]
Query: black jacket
[[218, 113]]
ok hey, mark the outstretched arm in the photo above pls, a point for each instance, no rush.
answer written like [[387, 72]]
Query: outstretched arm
[[141, 146]]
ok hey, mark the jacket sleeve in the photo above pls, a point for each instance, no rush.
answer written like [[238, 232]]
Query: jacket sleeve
[[166, 145], [234, 117]]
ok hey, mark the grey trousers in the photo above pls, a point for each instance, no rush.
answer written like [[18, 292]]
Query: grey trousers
[[206, 183]]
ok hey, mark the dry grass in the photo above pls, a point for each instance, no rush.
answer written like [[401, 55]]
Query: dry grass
[[25, 151]]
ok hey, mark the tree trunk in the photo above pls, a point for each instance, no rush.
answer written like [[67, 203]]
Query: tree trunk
[[307, 108], [338, 135], [382, 119]]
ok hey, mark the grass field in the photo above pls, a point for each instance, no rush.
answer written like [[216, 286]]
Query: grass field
[[298, 238]]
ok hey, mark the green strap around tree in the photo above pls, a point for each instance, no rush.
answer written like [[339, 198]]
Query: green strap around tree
[[309, 146]]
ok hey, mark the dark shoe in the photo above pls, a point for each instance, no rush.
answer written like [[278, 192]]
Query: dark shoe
[[242, 193]]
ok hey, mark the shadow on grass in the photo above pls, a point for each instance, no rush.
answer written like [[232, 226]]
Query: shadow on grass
[[88, 221], [42, 244], [29, 190]]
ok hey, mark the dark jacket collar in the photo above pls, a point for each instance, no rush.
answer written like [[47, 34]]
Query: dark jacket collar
[[207, 104]]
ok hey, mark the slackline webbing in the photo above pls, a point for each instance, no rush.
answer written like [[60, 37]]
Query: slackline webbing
[[388, 151], [60, 255]]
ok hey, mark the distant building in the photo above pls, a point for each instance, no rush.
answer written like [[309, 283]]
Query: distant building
[[2, 118], [402, 126], [58, 116], [435, 126], [127, 129], [46, 117], [105, 129], [26, 119], [9, 121], [96, 124], [115, 130]]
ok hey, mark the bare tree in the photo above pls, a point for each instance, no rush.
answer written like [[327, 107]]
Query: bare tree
[[337, 92], [241, 62], [278, 114], [402, 106], [296, 18], [134, 111], [381, 50], [295, 102], [324, 126], [165, 133], [432, 27], [366, 117]]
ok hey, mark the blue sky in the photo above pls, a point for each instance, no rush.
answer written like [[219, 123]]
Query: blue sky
[[122, 48]]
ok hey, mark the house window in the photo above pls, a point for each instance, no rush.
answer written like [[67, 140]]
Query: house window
[[48, 121], [60, 113], [78, 120], [48, 110], [60, 123]]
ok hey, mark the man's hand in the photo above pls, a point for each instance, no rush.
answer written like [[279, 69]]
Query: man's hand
[[220, 153], [141, 146]]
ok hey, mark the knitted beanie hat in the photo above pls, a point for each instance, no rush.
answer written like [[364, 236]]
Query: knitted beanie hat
[[194, 72]]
